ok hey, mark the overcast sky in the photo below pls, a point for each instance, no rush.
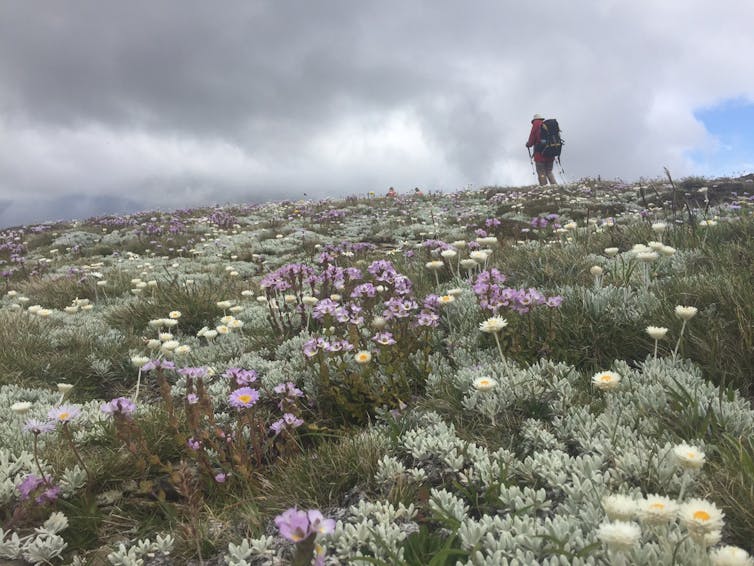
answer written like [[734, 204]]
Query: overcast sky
[[113, 106]]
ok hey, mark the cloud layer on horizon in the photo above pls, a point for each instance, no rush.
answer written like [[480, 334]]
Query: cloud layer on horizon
[[141, 105]]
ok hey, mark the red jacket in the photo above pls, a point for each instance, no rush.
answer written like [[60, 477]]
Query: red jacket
[[534, 139]]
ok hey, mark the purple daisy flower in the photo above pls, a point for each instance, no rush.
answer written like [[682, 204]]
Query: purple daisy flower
[[243, 397], [39, 427], [64, 413]]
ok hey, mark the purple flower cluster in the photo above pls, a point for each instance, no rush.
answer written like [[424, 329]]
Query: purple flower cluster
[[119, 406], [289, 276], [241, 376], [492, 223], [222, 219], [193, 372], [438, 245], [350, 312], [289, 421], [333, 345], [157, 363], [330, 215], [42, 487], [297, 525], [289, 389], [543, 222], [492, 295], [384, 338]]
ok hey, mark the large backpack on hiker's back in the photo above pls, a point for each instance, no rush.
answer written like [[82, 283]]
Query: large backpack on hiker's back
[[550, 143]]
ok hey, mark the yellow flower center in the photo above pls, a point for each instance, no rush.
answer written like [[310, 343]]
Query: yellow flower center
[[244, 398], [701, 515], [690, 454], [658, 506], [606, 378], [63, 416]]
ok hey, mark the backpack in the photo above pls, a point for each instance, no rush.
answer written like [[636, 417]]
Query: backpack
[[550, 143]]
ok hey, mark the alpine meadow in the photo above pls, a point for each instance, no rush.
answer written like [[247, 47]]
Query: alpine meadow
[[555, 375]]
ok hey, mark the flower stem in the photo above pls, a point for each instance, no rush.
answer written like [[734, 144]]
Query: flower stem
[[678, 344], [500, 349], [69, 437], [36, 461], [138, 384]]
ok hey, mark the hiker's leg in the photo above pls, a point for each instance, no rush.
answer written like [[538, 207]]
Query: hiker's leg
[[550, 174], [541, 172]]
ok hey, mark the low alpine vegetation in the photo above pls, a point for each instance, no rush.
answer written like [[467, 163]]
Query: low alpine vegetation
[[550, 375]]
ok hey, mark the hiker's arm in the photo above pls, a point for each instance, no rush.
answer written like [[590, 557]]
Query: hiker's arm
[[532, 136]]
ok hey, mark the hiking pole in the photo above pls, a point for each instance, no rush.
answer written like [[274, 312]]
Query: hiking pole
[[531, 160], [562, 172]]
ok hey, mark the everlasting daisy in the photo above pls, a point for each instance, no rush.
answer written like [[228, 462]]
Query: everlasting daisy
[[446, 299], [657, 509], [659, 227], [484, 383], [469, 263], [667, 251], [479, 256], [362, 357], [21, 407], [595, 270], [170, 345], [689, 457], [606, 380], [656, 332], [685, 313], [619, 507], [139, 361], [175, 314], [434, 265], [487, 240], [182, 350], [493, 325], [730, 556], [700, 517], [619, 535]]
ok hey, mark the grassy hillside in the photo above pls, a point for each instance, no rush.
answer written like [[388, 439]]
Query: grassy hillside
[[556, 375]]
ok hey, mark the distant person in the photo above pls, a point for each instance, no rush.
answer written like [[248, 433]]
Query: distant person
[[418, 192], [391, 193], [542, 163]]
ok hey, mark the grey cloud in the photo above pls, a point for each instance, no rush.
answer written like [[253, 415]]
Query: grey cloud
[[100, 98]]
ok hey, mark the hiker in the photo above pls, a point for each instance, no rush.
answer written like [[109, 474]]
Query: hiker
[[418, 192], [542, 163], [391, 192]]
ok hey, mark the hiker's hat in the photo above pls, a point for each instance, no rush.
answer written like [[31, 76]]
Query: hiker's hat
[[538, 117]]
